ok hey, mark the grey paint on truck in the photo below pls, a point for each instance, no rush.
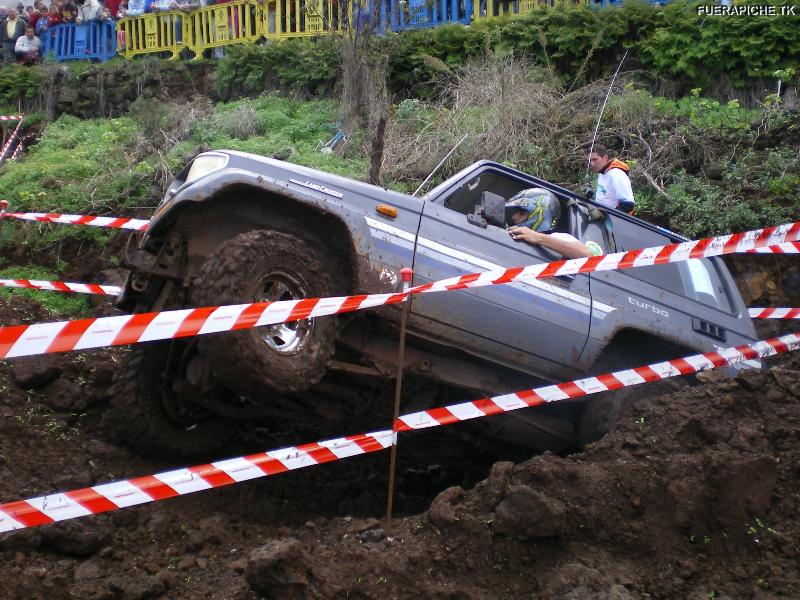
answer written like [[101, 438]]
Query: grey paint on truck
[[552, 329]]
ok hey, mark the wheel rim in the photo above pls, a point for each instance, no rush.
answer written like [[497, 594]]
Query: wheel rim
[[284, 338]]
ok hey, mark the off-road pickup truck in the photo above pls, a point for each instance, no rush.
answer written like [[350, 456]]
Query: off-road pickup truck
[[236, 227]]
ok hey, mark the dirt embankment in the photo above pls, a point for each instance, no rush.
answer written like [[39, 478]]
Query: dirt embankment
[[696, 496]]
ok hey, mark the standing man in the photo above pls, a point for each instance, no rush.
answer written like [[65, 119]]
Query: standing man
[[12, 30], [613, 186]]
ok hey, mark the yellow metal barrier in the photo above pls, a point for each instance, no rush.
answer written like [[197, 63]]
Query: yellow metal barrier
[[152, 32], [222, 24], [293, 18], [494, 8]]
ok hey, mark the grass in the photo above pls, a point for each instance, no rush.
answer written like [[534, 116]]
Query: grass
[[96, 166], [280, 126], [58, 304]]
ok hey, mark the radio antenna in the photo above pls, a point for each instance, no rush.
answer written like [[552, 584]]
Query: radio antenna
[[421, 185], [600, 117]]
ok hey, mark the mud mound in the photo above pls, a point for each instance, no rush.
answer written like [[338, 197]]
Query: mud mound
[[694, 497]]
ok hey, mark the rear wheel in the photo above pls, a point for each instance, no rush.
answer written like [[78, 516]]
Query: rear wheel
[[148, 416], [266, 266], [602, 413]]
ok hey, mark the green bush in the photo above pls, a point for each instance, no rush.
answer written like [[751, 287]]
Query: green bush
[[706, 114], [18, 84], [302, 66], [701, 49], [585, 43], [761, 188]]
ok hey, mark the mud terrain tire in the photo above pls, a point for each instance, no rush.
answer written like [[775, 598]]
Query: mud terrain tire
[[252, 267], [137, 415], [602, 414]]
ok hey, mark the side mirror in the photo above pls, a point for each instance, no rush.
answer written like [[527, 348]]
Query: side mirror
[[494, 209], [491, 211]]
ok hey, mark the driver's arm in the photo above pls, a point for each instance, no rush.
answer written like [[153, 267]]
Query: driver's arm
[[566, 246]]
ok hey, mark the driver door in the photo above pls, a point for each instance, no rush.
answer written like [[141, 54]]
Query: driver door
[[539, 328]]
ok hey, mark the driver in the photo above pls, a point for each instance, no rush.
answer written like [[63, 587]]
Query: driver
[[535, 213]]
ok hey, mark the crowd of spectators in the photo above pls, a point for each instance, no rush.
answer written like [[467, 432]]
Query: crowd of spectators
[[23, 28]]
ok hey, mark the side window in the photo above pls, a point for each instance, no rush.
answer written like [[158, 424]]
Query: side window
[[696, 279], [630, 237], [464, 199], [703, 283]]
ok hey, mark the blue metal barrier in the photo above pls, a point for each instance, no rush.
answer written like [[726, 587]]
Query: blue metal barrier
[[398, 15], [89, 41]]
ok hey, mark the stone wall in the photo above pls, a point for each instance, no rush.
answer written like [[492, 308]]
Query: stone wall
[[109, 90]]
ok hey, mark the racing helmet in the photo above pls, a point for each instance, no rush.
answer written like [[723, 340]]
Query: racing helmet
[[542, 207]]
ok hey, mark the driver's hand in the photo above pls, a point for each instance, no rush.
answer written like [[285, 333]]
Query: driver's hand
[[524, 234]]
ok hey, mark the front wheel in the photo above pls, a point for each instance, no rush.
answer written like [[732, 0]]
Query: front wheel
[[266, 266], [148, 416]]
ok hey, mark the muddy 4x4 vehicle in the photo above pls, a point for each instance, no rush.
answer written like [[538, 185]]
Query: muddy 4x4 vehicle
[[237, 228]]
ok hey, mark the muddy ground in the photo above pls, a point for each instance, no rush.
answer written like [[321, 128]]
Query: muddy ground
[[696, 496]]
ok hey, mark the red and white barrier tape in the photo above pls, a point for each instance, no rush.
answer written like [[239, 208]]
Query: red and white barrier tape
[[713, 246], [62, 286], [600, 383], [774, 313], [785, 248], [10, 141], [113, 222], [11, 117], [63, 336], [140, 490]]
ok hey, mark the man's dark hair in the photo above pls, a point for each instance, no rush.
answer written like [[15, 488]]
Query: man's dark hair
[[600, 150]]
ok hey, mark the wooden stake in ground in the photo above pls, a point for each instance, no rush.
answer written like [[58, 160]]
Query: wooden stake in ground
[[407, 275]]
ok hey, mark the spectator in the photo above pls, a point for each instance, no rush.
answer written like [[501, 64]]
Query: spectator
[[12, 30], [137, 7], [42, 23], [54, 16], [112, 6], [162, 5], [106, 16], [69, 12], [3, 17], [27, 47], [613, 186], [122, 11], [21, 14], [89, 11], [33, 17]]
